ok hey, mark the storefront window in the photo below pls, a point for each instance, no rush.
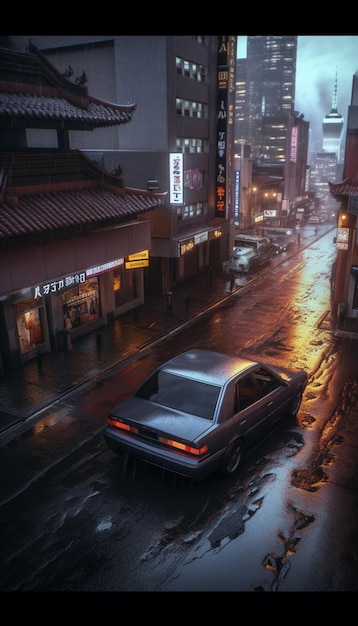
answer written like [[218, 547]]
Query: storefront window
[[81, 304], [29, 322], [124, 285]]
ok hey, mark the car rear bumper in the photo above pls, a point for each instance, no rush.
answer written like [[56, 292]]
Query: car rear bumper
[[176, 462]]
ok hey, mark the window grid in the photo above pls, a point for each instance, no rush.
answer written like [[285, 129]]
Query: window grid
[[189, 108], [194, 145], [191, 70], [197, 209]]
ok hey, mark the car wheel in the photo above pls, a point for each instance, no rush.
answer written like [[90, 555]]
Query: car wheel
[[232, 458], [296, 403]]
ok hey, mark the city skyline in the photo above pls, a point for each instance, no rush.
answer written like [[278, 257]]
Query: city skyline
[[319, 59]]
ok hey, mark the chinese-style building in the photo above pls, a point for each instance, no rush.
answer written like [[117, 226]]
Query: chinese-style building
[[345, 276], [73, 239]]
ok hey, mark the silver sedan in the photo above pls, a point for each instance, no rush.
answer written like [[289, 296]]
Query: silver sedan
[[198, 411]]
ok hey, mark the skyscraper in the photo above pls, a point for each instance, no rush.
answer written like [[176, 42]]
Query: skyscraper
[[326, 167], [332, 127], [266, 120], [270, 89]]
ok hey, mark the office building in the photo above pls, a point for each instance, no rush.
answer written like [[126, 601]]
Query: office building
[[181, 137], [270, 93], [277, 134]]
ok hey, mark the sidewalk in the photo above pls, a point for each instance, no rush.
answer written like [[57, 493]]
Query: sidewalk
[[27, 392]]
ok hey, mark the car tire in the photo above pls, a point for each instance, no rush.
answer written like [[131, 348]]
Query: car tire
[[296, 403], [231, 459]]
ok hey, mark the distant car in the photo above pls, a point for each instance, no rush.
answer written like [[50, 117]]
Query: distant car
[[198, 411]]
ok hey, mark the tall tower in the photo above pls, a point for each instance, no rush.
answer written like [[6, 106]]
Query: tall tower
[[332, 127], [270, 94]]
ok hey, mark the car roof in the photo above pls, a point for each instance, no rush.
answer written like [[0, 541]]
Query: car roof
[[207, 366], [247, 237]]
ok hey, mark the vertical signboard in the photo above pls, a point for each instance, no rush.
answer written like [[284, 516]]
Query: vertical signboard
[[294, 144], [225, 109], [236, 198], [176, 178], [221, 126]]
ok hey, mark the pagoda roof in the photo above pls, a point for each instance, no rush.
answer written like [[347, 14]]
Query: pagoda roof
[[58, 191], [346, 188], [33, 90]]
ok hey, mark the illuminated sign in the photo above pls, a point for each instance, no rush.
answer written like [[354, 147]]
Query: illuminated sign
[[237, 198], [132, 265], [176, 178], [75, 279], [105, 267], [140, 259], [294, 143], [57, 285], [342, 239], [221, 126], [139, 256], [201, 237]]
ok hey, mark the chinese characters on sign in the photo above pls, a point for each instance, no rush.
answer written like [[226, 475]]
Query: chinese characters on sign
[[221, 132], [58, 285], [176, 178], [75, 279]]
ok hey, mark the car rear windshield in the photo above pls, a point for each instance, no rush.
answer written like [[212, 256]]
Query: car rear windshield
[[180, 393]]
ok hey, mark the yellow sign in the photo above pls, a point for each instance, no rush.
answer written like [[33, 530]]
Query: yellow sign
[[138, 256], [130, 265]]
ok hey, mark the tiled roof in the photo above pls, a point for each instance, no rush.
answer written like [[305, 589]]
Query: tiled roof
[[348, 187], [48, 191], [51, 191], [31, 88], [29, 106], [44, 212]]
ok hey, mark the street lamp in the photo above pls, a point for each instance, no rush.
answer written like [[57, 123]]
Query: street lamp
[[253, 198]]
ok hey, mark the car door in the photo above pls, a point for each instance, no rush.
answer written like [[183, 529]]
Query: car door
[[252, 409], [274, 391]]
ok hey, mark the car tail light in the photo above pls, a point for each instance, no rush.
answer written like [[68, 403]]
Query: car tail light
[[183, 446], [121, 425]]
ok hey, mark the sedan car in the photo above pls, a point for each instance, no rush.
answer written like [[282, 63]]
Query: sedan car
[[198, 411]]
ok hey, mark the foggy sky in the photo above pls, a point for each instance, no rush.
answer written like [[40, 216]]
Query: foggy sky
[[318, 59]]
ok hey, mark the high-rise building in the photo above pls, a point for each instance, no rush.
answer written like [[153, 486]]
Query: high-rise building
[[332, 127], [270, 94], [326, 166], [266, 120]]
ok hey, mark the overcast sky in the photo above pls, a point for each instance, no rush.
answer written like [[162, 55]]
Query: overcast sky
[[318, 59]]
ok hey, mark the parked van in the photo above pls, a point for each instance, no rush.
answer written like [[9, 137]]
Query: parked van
[[281, 238], [249, 253]]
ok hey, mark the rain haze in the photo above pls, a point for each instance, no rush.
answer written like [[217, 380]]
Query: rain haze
[[319, 59]]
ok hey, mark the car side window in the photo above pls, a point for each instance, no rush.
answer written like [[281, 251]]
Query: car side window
[[266, 380], [247, 393]]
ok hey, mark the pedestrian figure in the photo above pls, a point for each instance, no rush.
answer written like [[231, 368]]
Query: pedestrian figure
[[187, 300], [315, 230], [232, 282], [170, 303]]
